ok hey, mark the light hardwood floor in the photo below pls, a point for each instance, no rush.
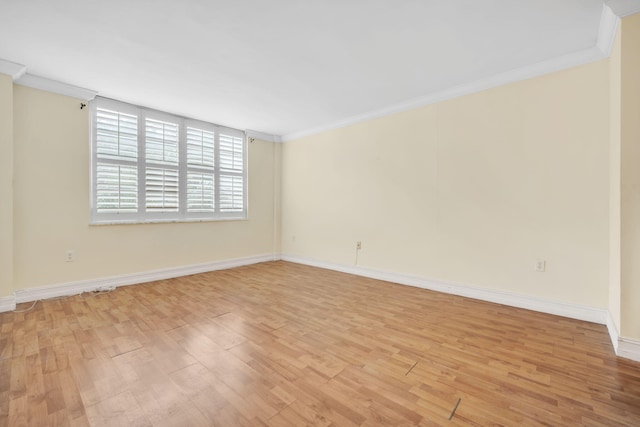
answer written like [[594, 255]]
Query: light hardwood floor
[[281, 344]]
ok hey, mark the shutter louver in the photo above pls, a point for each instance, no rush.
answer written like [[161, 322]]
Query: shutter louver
[[231, 153], [231, 193], [161, 190], [116, 188], [161, 142], [117, 135], [200, 192], [200, 147]]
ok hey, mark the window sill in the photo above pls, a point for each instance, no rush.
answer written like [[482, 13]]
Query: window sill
[[165, 221]]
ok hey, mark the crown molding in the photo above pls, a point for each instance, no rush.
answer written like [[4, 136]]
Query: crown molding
[[12, 69], [624, 8], [18, 73], [262, 136], [556, 64], [607, 30], [54, 86]]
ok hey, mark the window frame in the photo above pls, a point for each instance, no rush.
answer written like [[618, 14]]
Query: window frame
[[141, 162]]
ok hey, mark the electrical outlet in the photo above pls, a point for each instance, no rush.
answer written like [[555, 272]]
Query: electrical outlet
[[358, 245], [70, 255], [541, 266]]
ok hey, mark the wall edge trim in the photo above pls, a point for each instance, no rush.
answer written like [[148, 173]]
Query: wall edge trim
[[613, 331], [629, 349], [55, 86], [564, 62], [268, 137], [624, 347], [624, 8], [7, 304], [607, 30], [573, 311], [73, 288], [12, 69]]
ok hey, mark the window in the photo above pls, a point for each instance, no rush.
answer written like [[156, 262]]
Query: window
[[149, 166]]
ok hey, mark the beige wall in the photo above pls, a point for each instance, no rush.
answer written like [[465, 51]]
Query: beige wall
[[615, 83], [52, 206], [6, 185], [630, 195], [277, 203], [472, 190]]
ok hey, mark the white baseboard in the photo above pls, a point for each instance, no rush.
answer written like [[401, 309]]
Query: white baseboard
[[7, 304], [73, 288], [613, 331], [628, 348], [624, 347], [573, 311]]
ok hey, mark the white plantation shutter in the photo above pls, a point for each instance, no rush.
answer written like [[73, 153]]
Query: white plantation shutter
[[161, 190], [201, 194], [116, 169], [161, 174], [161, 142], [117, 188], [231, 152], [231, 191], [200, 147], [151, 166], [117, 135], [232, 183]]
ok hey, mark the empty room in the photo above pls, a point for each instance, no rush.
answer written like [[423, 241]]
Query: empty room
[[336, 213]]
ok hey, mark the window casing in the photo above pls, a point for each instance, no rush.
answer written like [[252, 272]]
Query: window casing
[[150, 166]]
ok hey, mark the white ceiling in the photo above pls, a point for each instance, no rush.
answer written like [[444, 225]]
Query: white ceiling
[[286, 67]]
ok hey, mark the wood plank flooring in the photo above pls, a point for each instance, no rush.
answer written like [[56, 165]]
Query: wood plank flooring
[[280, 344]]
